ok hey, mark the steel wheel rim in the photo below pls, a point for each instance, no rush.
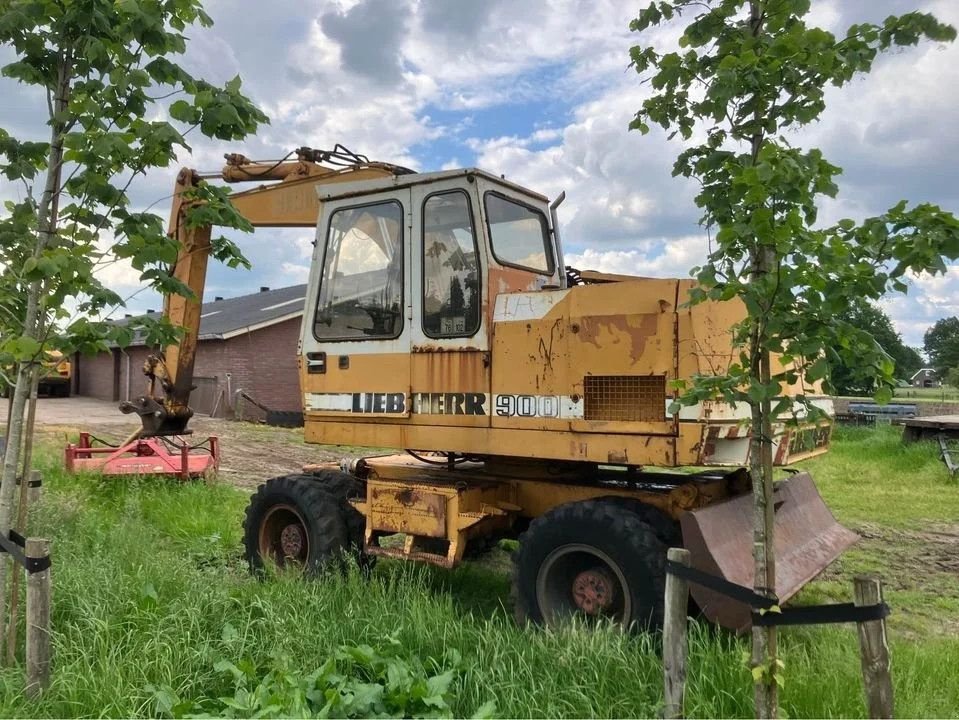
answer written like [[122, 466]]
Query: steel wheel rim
[[570, 583], [283, 536]]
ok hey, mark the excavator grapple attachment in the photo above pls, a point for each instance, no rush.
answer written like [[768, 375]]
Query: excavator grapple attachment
[[720, 541]]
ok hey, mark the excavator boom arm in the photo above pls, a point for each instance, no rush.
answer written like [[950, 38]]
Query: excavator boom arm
[[291, 202]]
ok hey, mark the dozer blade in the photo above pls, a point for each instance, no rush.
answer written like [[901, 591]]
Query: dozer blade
[[720, 541]]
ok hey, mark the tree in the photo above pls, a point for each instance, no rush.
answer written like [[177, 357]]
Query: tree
[[746, 73], [952, 378], [457, 302], [868, 318], [941, 343], [105, 67]]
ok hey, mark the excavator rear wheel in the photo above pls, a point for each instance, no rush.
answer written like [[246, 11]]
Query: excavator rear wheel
[[594, 560], [292, 522], [344, 487]]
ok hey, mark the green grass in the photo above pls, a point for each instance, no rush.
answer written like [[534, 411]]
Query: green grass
[[904, 503], [869, 476], [915, 395], [941, 394], [150, 591]]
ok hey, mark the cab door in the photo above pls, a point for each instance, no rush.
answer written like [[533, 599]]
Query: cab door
[[450, 361], [355, 348]]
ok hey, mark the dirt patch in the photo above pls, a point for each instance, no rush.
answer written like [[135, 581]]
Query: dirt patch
[[250, 454], [914, 557], [919, 571]]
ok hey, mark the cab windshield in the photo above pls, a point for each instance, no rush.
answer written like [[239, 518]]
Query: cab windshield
[[361, 289]]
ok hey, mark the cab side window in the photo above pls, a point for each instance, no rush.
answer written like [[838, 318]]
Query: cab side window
[[451, 287], [518, 234], [361, 289]]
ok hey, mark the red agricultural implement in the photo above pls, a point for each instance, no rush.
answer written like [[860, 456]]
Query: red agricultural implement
[[161, 455]]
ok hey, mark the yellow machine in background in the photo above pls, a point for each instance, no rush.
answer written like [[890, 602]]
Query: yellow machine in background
[[57, 374], [526, 400]]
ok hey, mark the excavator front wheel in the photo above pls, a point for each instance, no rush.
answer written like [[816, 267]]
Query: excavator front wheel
[[595, 560], [292, 522], [344, 487]]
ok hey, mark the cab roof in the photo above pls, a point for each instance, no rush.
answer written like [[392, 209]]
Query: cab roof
[[337, 191]]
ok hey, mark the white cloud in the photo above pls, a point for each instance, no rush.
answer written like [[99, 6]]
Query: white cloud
[[668, 258], [295, 274], [405, 80]]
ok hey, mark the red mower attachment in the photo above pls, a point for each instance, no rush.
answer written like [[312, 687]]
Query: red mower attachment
[[160, 455]]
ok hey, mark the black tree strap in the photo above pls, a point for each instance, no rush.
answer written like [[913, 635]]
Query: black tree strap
[[14, 547], [823, 614], [745, 595], [803, 615]]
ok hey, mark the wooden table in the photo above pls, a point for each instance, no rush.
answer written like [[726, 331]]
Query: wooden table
[[930, 427]]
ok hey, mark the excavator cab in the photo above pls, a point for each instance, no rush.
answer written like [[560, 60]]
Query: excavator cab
[[405, 276]]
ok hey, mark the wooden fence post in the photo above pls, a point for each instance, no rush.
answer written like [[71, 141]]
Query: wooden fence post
[[674, 636], [874, 650], [29, 494], [38, 621], [33, 491]]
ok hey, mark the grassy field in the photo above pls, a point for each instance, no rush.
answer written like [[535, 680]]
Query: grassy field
[[155, 615], [940, 394]]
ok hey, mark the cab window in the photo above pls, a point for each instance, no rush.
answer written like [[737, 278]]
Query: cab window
[[518, 234], [361, 289], [451, 294]]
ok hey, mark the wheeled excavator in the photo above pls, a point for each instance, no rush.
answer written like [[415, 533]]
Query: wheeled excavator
[[522, 399]]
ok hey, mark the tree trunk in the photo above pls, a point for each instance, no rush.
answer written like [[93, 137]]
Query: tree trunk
[[21, 522], [764, 651], [46, 230], [764, 655]]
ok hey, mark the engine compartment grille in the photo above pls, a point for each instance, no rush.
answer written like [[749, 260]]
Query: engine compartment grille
[[626, 398]]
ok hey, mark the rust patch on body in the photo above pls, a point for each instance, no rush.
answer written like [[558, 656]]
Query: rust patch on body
[[618, 457], [409, 511], [610, 330]]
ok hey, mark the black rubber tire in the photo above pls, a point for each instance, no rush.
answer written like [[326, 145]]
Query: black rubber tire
[[666, 529], [326, 531], [344, 487], [613, 530]]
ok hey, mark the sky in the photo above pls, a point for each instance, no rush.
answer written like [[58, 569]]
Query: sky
[[542, 93]]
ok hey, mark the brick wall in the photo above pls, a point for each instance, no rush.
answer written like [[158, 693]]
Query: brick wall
[[263, 363], [137, 384]]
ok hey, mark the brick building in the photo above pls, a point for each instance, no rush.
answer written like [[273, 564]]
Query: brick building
[[246, 343], [925, 378]]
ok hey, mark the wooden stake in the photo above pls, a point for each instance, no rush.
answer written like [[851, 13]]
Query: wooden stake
[[874, 650], [38, 621], [33, 493], [27, 496], [674, 637]]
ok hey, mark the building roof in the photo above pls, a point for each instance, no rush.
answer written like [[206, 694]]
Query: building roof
[[229, 317], [923, 370]]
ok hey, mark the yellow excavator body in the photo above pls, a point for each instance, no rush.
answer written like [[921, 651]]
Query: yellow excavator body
[[523, 399]]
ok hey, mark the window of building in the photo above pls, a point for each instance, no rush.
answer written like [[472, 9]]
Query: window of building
[[361, 289], [451, 287], [519, 234]]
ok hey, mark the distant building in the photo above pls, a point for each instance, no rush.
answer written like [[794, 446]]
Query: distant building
[[925, 378], [246, 343]]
